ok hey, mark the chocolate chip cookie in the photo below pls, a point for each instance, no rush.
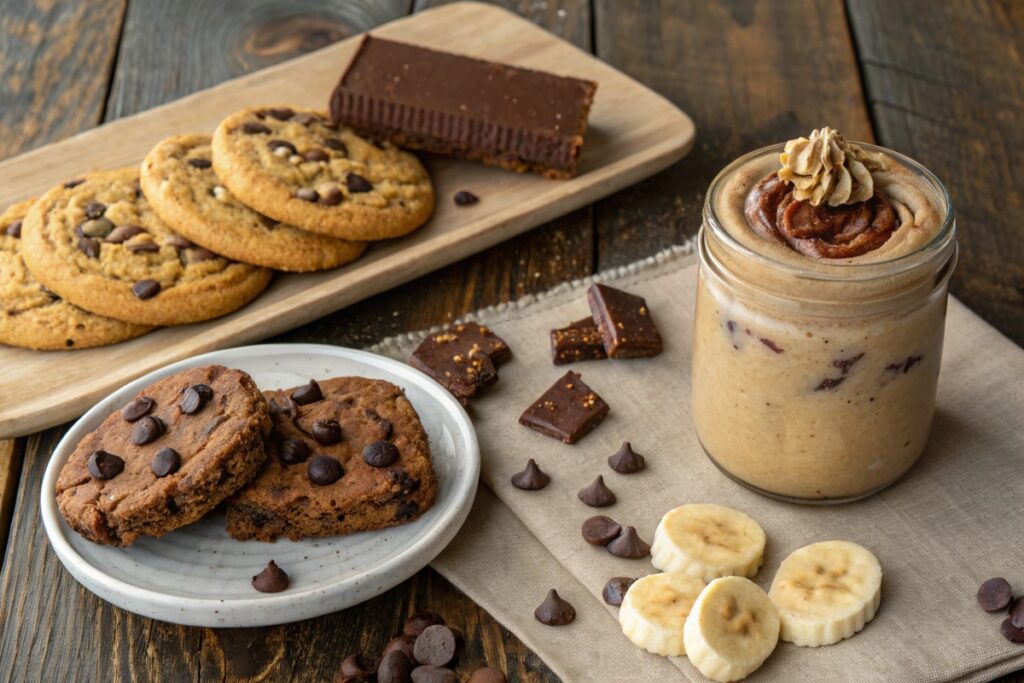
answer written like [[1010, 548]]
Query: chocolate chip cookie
[[33, 317], [294, 166], [169, 456], [179, 182], [345, 454], [99, 244]]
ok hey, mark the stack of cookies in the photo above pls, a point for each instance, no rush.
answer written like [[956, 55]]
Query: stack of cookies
[[195, 233]]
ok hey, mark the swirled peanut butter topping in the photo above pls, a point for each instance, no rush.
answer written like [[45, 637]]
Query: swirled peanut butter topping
[[826, 168]]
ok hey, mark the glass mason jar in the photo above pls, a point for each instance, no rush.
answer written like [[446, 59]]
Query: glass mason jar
[[814, 380]]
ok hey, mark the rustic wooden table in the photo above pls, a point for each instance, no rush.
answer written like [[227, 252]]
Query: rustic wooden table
[[940, 82]]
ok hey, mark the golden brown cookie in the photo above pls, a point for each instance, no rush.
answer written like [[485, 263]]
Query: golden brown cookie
[[294, 166], [32, 316], [97, 242], [180, 184]]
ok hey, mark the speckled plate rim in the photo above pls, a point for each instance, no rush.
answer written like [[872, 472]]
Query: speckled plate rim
[[266, 609]]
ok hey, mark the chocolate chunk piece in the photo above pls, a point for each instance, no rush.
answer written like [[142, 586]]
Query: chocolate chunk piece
[[200, 163], [566, 411], [254, 128], [327, 432], [307, 194], [629, 545], [428, 673], [420, 621], [554, 611], [626, 460], [123, 233], [89, 246], [615, 590], [103, 465], [465, 198], [1012, 633], [193, 399], [395, 667], [293, 451], [995, 594], [146, 289], [597, 495], [147, 430], [380, 454], [95, 209], [445, 103], [1016, 612], [579, 341], [357, 183], [487, 675], [14, 230], [324, 470], [461, 358], [600, 530], [307, 394], [138, 407], [358, 665], [531, 478], [165, 461], [272, 579], [332, 197], [436, 645], [402, 643], [281, 113], [624, 322]]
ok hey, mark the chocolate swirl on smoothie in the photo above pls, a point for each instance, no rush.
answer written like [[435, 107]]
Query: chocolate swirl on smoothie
[[822, 202]]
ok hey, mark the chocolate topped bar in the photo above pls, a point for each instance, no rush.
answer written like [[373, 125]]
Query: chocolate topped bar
[[566, 411], [439, 102], [624, 322]]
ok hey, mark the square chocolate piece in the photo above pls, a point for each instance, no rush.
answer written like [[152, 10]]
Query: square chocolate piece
[[461, 358], [579, 341], [625, 323], [566, 411]]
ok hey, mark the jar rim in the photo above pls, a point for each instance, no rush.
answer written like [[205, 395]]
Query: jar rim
[[845, 272]]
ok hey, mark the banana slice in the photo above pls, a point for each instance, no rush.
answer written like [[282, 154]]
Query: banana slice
[[708, 541], [731, 630], [826, 592], [654, 610]]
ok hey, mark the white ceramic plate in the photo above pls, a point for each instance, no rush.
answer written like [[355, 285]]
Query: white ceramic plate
[[198, 575]]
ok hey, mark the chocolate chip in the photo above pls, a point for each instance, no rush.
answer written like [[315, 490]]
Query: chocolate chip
[[406, 509], [305, 118], [165, 461], [531, 478], [281, 113], [358, 665], [357, 183], [275, 144], [597, 495], [137, 408], [428, 673], [104, 465], [123, 233], [554, 611], [420, 621], [615, 590], [995, 594], [600, 530], [95, 209], [89, 246], [336, 145], [323, 470], [200, 163], [308, 194], [380, 453], [332, 197], [147, 430], [626, 460], [271, 580], [401, 643], [254, 128], [14, 229], [146, 289], [436, 645], [97, 227], [465, 198], [307, 394], [1016, 612], [73, 183], [193, 399], [145, 246], [293, 451], [629, 545], [315, 154], [487, 675], [327, 432], [205, 391], [395, 667], [1012, 633]]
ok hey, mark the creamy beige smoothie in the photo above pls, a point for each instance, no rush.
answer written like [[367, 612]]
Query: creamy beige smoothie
[[818, 332]]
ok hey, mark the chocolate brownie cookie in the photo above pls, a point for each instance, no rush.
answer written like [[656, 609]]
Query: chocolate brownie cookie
[[179, 182], [33, 317], [346, 454], [294, 166], [98, 243], [169, 456]]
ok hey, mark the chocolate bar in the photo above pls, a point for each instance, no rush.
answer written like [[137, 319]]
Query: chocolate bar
[[625, 323], [566, 411], [579, 341], [445, 103]]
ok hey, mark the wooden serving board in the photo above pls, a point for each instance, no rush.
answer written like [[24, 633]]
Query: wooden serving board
[[633, 133]]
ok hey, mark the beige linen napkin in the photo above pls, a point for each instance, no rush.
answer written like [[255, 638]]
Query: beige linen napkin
[[955, 520]]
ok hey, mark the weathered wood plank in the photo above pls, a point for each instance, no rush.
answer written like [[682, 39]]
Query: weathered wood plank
[[948, 93], [749, 74], [10, 470]]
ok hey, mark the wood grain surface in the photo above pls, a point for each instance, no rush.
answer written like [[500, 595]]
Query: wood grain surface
[[691, 53]]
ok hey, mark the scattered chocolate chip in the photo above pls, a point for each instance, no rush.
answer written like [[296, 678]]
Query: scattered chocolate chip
[[192, 401], [336, 145], [418, 622], [401, 643], [281, 113], [254, 128], [600, 530], [89, 246], [597, 495], [1012, 633], [1016, 612], [332, 197], [465, 198], [554, 611], [626, 460], [629, 545], [323, 470], [380, 453], [357, 183], [531, 478], [147, 430], [14, 229], [200, 163], [123, 233], [274, 145], [73, 183], [771, 345], [487, 675], [428, 673], [293, 451], [359, 665], [104, 465], [146, 289], [137, 408], [145, 246], [308, 194], [327, 432], [95, 209], [395, 667], [436, 645], [271, 580], [307, 394], [995, 594], [165, 461], [315, 154], [615, 590]]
